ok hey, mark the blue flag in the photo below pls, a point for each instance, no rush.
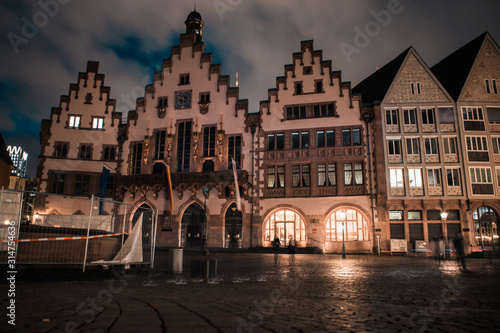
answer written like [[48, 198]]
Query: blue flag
[[102, 188]]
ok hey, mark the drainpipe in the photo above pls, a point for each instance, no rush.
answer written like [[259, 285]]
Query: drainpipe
[[370, 171], [252, 130]]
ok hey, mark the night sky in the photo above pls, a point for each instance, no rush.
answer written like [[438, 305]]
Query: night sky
[[44, 46]]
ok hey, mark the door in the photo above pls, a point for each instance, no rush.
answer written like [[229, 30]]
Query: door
[[486, 228], [193, 221], [234, 226], [285, 232]]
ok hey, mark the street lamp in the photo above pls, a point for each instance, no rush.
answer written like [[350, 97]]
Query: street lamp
[[342, 216], [204, 249], [444, 215]]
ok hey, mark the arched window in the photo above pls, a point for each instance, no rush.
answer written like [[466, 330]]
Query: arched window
[[285, 224], [486, 227], [354, 226]]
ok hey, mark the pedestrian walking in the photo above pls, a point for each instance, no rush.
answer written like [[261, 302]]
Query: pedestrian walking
[[291, 249], [458, 243], [437, 247], [276, 249]]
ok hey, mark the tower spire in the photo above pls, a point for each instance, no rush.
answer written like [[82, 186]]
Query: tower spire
[[194, 24]]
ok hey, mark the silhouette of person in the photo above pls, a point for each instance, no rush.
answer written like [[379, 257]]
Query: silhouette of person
[[276, 249], [458, 243]]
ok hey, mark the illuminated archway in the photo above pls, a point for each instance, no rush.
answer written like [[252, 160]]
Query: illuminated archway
[[285, 224], [486, 227], [355, 224]]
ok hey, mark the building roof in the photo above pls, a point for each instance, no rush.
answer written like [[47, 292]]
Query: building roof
[[194, 15], [375, 86], [453, 70], [4, 155]]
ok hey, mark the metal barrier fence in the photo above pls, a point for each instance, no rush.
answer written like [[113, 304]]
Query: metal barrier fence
[[74, 230]]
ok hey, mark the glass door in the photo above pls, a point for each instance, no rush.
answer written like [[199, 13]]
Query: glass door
[[285, 232]]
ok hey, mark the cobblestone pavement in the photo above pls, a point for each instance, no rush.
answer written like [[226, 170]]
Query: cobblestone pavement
[[311, 293]]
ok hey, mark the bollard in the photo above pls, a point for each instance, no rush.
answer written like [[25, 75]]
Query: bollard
[[176, 256], [212, 269]]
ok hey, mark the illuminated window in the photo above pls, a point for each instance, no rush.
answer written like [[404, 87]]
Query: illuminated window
[[355, 224], [97, 123], [284, 224], [74, 121]]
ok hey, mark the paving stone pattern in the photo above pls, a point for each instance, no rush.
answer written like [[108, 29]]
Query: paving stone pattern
[[311, 293]]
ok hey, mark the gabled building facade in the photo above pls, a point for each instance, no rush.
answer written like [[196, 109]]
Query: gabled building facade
[[472, 76], [417, 154], [78, 140], [312, 159], [319, 164]]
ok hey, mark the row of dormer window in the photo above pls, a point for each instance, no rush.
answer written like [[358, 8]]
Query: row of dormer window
[[324, 138]]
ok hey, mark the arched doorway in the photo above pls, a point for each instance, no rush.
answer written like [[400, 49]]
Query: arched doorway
[[486, 228], [234, 228], [192, 224], [285, 224], [353, 226], [147, 223]]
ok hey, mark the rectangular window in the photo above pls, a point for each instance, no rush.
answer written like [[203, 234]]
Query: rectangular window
[[410, 116], [74, 121], [495, 89], [82, 184], [472, 113], [233, 151], [296, 112], [427, 116], [431, 147], [396, 215], [57, 183], [356, 137], [415, 177], [412, 146], [270, 142], [301, 176], [332, 174], [396, 177], [476, 143], [304, 139], [271, 177], [298, 88], [135, 159], [184, 146], [488, 91], [319, 86], [394, 146], [347, 174], [183, 79], [446, 115], [85, 152], [496, 145], [159, 152], [481, 175], [295, 140], [415, 215], [450, 145], [97, 122], [391, 117], [281, 176], [434, 176], [358, 173], [330, 138], [346, 137], [320, 138], [453, 176], [209, 141], [321, 175], [280, 141]]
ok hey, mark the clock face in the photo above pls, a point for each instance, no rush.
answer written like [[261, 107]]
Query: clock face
[[183, 99]]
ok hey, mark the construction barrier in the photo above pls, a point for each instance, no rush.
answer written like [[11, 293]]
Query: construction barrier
[[74, 230]]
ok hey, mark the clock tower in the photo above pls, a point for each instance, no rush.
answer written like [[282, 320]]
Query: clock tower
[[194, 24]]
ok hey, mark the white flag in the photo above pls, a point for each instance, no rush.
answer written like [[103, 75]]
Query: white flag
[[236, 187]]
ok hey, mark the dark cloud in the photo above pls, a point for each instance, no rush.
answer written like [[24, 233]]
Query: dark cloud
[[254, 38]]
